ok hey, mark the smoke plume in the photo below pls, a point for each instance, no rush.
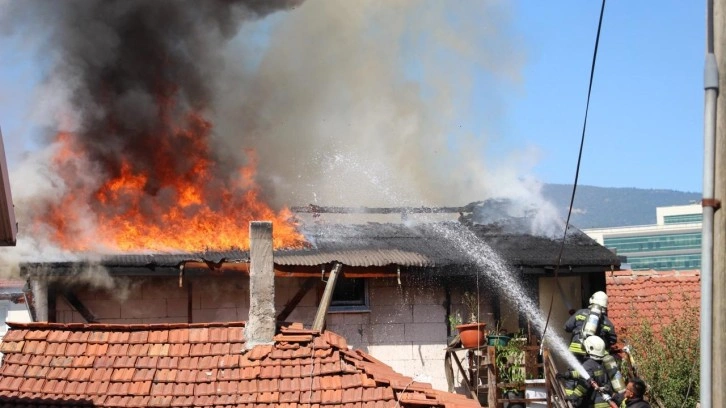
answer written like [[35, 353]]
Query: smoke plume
[[342, 103]]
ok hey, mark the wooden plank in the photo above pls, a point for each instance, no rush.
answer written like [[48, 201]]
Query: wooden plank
[[492, 378], [190, 314], [319, 321], [466, 377], [449, 370]]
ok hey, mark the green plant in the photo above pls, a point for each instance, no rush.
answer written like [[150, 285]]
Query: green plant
[[509, 360], [668, 360], [471, 304], [454, 320]]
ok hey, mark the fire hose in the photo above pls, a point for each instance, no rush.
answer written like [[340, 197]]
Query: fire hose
[[631, 360], [603, 393]]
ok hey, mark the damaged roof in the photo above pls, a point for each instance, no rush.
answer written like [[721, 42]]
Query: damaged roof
[[200, 365], [425, 245]]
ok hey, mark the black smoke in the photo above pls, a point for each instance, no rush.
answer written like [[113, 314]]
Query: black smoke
[[136, 70]]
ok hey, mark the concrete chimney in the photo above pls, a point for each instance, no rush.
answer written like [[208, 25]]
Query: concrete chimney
[[260, 328]]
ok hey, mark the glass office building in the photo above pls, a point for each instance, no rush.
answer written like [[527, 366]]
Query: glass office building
[[673, 243]]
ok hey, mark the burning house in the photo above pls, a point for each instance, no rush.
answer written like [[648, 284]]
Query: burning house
[[139, 228], [397, 286]]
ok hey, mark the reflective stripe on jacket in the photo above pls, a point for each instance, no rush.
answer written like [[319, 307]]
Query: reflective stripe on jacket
[[605, 330]]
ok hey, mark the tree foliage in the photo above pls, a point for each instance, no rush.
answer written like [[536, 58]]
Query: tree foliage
[[666, 349]]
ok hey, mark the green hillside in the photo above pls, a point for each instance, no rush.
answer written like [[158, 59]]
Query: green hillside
[[597, 207]]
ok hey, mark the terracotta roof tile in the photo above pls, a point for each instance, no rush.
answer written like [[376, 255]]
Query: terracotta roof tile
[[188, 362], [80, 374], [56, 336], [159, 349], [28, 347], [18, 335], [34, 371], [199, 335], [654, 295], [138, 349], [118, 349], [125, 362], [179, 349], [218, 334], [147, 362], [235, 334], [165, 375], [139, 337], [186, 376], [207, 375], [228, 360], [207, 362], [158, 336], [168, 362], [205, 365], [182, 401]]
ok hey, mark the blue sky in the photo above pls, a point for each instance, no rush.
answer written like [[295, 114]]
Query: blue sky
[[645, 125]]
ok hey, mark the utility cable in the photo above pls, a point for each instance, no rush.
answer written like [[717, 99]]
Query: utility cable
[[577, 170]]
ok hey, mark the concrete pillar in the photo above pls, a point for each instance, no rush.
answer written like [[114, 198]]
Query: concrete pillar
[[260, 328], [719, 222], [39, 288]]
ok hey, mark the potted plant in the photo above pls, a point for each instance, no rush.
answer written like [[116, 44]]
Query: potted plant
[[497, 337], [509, 360], [472, 333], [454, 322]]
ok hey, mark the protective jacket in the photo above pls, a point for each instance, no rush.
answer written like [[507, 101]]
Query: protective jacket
[[580, 392], [630, 402], [605, 330]]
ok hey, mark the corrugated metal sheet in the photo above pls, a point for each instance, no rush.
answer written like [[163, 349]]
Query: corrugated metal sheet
[[381, 244], [370, 257]]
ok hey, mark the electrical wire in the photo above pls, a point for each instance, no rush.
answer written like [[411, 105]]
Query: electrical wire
[[577, 170]]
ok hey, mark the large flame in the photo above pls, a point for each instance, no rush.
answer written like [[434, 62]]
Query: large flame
[[160, 206]]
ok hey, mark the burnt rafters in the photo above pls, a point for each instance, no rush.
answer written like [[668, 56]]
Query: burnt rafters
[[79, 306], [306, 286]]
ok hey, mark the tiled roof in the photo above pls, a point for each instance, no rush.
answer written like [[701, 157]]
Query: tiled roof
[[199, 365], [655, 296]]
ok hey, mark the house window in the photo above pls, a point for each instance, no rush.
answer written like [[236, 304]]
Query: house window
[[350, 295]]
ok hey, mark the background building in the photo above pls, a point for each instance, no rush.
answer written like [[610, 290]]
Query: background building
[[673, 243]]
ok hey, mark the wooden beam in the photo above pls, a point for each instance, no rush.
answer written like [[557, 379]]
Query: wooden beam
[[319, 321], [79, 306], [306, 286], [190, 315], [317, 209], [52, 296]]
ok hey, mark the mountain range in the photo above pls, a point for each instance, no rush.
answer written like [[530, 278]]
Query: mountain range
[[599, 207]]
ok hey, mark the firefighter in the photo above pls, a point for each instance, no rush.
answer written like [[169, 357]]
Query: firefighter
[[633, 395], [593, 392], [591, 321]]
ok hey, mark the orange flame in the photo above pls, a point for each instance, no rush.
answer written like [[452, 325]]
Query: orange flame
[[187, 211]]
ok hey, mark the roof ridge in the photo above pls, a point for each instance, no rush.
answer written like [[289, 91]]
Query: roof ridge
[[119, 326]]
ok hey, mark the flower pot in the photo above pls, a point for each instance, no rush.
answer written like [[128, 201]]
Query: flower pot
[[498, 340], [472, 334]]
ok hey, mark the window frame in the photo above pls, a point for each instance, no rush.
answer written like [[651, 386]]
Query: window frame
[[361, 304]]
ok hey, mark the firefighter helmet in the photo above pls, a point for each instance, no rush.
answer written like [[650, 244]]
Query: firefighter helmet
[[599, 298], [595, 347]]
